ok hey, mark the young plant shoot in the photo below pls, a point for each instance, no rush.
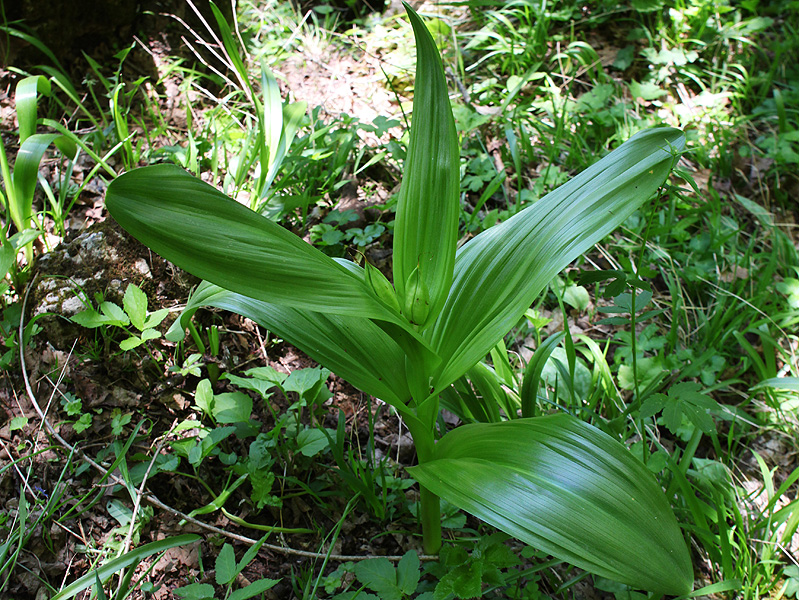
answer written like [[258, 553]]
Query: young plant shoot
[[554, 482]]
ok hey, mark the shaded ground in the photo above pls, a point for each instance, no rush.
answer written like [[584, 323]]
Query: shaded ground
[[98, 257], [66, 361]]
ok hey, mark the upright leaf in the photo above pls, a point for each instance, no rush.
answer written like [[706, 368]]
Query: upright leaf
[[426, 227], [500, 272], [26, 96], [135, 303], [272, 120], [25, 176], [214, 237], [564, 487]]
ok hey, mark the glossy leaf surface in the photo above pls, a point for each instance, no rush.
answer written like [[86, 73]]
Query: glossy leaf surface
[[563, 486], [426, 226], [499, 273], [214, 237], [355, 349], [26, 96]]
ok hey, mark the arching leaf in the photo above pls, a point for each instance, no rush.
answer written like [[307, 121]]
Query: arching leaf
[[565, 487], [197, 227], [355, 349], [500, 272]]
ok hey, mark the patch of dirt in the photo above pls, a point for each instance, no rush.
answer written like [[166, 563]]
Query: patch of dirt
[[340, 82]]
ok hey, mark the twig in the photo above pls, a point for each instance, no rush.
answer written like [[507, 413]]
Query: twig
[[136, 505], [461, 88], [151, 498], [18, 470]]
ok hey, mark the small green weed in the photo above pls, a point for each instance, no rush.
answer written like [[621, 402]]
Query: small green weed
[[132, 317]]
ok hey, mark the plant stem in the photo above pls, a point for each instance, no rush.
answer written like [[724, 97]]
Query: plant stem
[[430, 515], [423, 432]]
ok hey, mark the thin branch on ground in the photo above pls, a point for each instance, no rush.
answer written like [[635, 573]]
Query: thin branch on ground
[[149, 496]]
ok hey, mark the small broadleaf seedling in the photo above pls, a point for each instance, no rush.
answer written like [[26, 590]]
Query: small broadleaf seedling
[[132, 312], [554, 482]]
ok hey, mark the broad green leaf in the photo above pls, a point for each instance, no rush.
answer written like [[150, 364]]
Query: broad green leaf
[[89, 318], [204, 232], [564, 487], [232, 407], [18, 423], [464, 581], [408, 572], [195, 591], [207, 444], [154, 319], [254, 589], [134, 557], [204, 397], [500, 272], [130, 343], [426, 227], [380, 576], [303, 381], [355, 349], [225, 565], [251, 383], [311, 442], [135, 303], [115, 313], [150, 334]]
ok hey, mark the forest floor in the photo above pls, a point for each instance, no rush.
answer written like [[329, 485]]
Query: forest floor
[[89, 488]]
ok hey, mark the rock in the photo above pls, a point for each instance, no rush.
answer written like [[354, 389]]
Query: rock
[[99, 263]]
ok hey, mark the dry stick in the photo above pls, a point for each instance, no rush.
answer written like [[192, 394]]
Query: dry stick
[[18, 470], [149, 496], [141, 491], [137, 503]]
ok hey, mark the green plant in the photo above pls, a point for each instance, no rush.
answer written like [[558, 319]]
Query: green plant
[[226, 570], [253, 131], [379, 575], [34, 510], [73, 406], [289, 443], [133, 312], [96, 577], [371, 479], [20, 185], [552, 481]]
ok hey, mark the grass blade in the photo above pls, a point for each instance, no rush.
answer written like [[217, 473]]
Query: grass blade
[[133, 557]]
